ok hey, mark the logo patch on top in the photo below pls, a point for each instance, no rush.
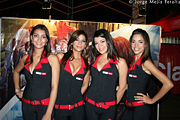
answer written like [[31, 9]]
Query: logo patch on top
[[107, 73], [133, 76], [41, 73], [78, 78]]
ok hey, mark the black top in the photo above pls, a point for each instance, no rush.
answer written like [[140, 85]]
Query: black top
[[104, 82], [138, 81], [38, 85], [69, 90]]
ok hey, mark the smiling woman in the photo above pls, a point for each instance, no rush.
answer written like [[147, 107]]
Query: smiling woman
[[141, 68], [39, 38], [41, 69], [74, 78], [138, 45], [108, 71]]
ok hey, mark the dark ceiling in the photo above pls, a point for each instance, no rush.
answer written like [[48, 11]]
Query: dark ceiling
[[83, 10], [119, 11]]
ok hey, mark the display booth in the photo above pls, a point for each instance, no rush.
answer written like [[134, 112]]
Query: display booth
[[15, 39]]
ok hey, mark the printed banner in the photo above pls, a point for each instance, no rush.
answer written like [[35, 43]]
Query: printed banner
[[169, 64]]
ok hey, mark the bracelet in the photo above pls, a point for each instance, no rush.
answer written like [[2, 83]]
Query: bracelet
[[17, 90]]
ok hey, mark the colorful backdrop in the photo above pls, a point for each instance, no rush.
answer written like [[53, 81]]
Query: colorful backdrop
[[15, 39]]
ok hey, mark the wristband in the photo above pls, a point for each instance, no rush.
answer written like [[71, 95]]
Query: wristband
[[17, 90]]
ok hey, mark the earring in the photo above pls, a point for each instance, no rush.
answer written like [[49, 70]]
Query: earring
[[83, 51], [71, 47]]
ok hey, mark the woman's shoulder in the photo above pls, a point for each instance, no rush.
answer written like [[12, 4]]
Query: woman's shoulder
[[148, 63], [148, 66], [121, 63], [121, 60], [52, 57]]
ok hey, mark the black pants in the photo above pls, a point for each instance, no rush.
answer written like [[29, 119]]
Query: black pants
[[74, 114], [33, 112], [97, 113], [137, 113]]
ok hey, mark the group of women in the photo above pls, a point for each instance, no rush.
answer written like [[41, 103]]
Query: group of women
[[87, 82]]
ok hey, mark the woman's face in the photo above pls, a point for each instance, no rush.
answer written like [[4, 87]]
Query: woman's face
[[138, 44], [79, 44], [39, 38], [100, 44]]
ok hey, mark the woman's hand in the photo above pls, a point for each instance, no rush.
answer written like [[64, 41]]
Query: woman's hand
[[144, 98], [20, 93], [46, 117]]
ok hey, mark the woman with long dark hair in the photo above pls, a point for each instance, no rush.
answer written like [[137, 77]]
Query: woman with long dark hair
[[108, 70], [140, 70], [74, 78], [41, 70]]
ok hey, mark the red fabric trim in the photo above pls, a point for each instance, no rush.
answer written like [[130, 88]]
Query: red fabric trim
[[104, 105], [134, 104], [81, 70], [44, 60], [39, 66], [37, 102], [105, 66], [80, 103], [115, 62], [138, 62], [60, 60], [67, 67], [95, 63], [27, 66], [27, 59]]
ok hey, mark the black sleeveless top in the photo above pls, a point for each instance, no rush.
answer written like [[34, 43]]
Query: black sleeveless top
[[104, 82], [138, 81], [38, 85], [69, 90]]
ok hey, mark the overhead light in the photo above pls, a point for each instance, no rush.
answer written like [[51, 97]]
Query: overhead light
[[47, 4]]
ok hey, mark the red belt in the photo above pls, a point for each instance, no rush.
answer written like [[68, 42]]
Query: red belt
[[104, 105], [134, 104], [37, 102], [69, 106]]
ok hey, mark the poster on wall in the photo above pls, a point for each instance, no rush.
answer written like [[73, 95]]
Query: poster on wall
[[15, 40]]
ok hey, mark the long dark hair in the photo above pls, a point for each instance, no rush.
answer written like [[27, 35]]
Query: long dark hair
[[147, 52], [47, 47], [112, 52], [69, 53]]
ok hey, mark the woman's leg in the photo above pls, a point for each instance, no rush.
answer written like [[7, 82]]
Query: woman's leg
[[128, 114], [78, 113], [142, 112], [29, 112], [90, 111]]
